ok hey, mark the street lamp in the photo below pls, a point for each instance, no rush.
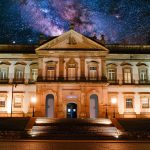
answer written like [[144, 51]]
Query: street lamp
[[114, 101], [106, 111], [33, 101]]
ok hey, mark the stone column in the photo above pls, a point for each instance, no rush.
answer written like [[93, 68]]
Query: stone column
[[83, 105], [60, 111], [82, 68], [137, 108], [121, 107], [61, 68], [103, 66], [40, 68]]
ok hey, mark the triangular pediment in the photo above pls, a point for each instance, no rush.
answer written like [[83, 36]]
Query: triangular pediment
[[71, 40]]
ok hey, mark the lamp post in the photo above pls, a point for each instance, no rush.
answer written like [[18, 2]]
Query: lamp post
[[106, 110], [33, 101], [114, 101]]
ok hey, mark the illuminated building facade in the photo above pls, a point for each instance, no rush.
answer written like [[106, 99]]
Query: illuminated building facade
[[73, 76]]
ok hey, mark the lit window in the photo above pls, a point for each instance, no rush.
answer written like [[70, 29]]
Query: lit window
[[2, 101], [19, 74], [129, 103], [71, 73], [50, 73], [127, 75], [93, 73], [111, 74], [18, 102], [145, 102], [34, 73], [143, 74], [3, 73]]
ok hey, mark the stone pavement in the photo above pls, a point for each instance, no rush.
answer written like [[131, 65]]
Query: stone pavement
[[73, 145]]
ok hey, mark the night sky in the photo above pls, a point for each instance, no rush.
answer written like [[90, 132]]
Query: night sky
[[121, 21]]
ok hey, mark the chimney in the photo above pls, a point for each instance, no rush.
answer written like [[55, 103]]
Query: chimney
[[94, 36], [102, 40], [72, 26], [42, 39]]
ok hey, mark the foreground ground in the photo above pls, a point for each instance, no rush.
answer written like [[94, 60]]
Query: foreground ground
[[74, 145]]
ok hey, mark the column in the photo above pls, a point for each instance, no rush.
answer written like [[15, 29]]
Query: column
[[40, 68], [103, 66], [82, 68], [83, 105], [121, 102], [136, 103], [61, 68]]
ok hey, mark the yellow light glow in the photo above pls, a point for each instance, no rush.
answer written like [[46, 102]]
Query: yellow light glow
[[113, 100], [33, 99]]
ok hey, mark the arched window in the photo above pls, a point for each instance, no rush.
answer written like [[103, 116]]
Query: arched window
[[111, 73], [93, 106], [4, 70], [33, 71], [49, 106], [143, 72], [19, 71], [127, 73]]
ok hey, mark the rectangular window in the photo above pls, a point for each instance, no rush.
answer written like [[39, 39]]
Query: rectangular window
[[3, 73], [127, 75], [145, 102], [71, 73], [18, 102], [93, 73], [143, 74], [19, 74], [34, 73], [111, 74], [129, 103], [2, 101], [50, 73]]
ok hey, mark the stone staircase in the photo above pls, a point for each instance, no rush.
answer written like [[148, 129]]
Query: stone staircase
[[68, 129]]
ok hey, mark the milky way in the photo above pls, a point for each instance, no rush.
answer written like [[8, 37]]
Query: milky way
[[121, 21]]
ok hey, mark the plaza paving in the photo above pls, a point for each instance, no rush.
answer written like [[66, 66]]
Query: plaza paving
[[74, 145]]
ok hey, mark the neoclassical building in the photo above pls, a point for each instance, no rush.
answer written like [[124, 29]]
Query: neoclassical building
[[73, 76]]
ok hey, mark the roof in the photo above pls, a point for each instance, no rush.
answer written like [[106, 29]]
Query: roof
[[21, 49], [113, 49], [128, 49]]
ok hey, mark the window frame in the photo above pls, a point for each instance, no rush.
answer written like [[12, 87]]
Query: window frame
[[129, 98], [131, 75], [148, 106], [93, 64], [51, 64], [72, 63]]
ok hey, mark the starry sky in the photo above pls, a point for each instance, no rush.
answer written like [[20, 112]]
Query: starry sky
[[121, 21]]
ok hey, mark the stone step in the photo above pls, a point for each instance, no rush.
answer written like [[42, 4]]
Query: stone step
[[73, 128], [43, 120]]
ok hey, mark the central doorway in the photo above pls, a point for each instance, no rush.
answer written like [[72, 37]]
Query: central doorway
[[71, 110]]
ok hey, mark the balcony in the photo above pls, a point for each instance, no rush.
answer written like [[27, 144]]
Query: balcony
[[144, 82], [113, 82], [4, 81], [128, 82], [19, 81], [66, 79]]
